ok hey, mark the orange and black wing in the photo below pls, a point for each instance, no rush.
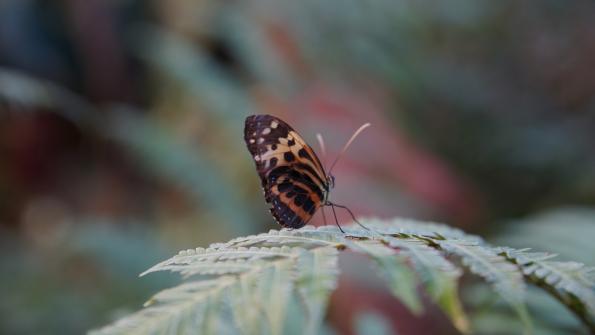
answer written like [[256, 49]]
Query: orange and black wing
[[292, 177]]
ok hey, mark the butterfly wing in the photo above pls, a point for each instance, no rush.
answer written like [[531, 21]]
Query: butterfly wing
[[292, 177]]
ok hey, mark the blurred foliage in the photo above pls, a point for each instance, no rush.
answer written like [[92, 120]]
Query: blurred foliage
[[132, 111], [59, 279], [493, 317], [372, 323], [567, 231]]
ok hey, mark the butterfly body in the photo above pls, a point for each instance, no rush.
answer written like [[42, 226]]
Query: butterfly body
[[294, 181]]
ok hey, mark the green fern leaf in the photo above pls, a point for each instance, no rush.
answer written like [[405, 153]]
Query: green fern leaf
[[261, 294], [254, 283], [481, 260], [566, 277], [393, 267], [219, 260], [169, 311], [506, 278], [317, 277], [306, 237], [438, 275], [252, 301], [400, 226]]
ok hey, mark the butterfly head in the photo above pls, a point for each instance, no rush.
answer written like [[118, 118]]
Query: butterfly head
[[328, 185], [330, 180]]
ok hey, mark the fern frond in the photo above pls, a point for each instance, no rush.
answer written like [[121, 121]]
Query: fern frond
[[253, 298], [438, 275], [254, 301], [218, 260], [394, 268], [506, 278], [306, 237], [566, 278], [171, 310], [258, 279], [481, 260], [258, 301], [317, 273], [400, 226]]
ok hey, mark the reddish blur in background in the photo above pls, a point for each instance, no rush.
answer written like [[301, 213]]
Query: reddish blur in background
[[121, 138]]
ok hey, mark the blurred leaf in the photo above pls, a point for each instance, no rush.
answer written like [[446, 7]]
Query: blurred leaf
[[187, 167], [86, 275], [188, 63], [20, 91], [494, 317], [565, 231], [373, 323]]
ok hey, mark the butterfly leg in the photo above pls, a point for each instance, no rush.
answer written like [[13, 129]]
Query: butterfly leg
[[323, 216], [336, 221], [350, 212]]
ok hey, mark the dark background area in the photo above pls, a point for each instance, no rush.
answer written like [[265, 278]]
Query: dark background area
[[121, 138]]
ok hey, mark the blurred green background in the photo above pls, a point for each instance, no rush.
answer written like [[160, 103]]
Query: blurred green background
[[121, 139]]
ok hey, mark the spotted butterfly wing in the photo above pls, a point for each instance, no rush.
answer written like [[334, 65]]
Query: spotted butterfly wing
[[292, 177]]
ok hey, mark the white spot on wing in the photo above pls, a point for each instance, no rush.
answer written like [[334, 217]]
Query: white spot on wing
[[266, 131], [260, 140], [252, 140], [274, 124]]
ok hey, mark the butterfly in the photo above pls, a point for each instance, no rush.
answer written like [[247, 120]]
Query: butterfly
[[294, 181]]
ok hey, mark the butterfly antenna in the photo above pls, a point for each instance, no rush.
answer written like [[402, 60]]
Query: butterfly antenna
[[337, 221], [322, 147], [357, 132]]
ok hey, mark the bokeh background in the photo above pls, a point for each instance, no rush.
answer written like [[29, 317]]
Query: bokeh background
[[121, 140]]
